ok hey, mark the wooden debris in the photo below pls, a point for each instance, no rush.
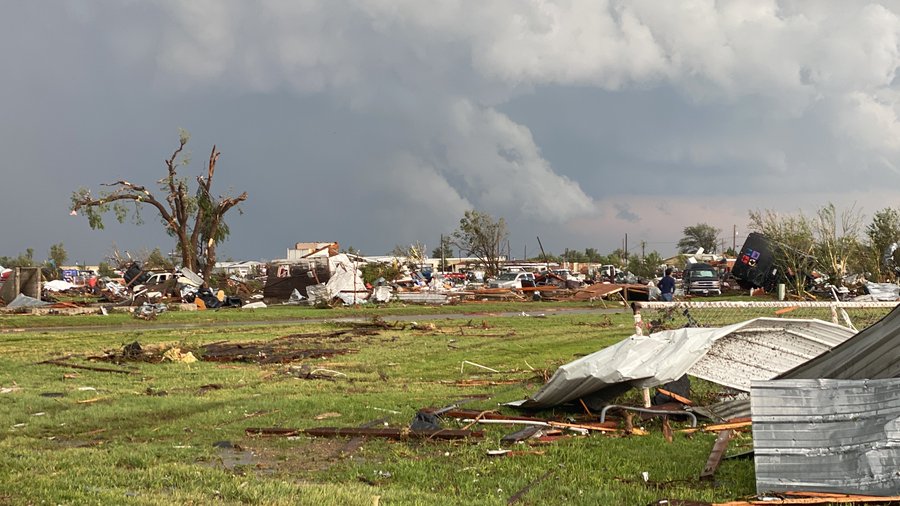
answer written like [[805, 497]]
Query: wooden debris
[[85, 367], [667, 430], [683, 400], [90, 401], [737, 423], [388, 433], [358, 441], [518, 495], [464, 362], [814, 498], [716, 455]]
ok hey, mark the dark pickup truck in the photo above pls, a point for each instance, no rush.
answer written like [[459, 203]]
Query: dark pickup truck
[[701, 279]]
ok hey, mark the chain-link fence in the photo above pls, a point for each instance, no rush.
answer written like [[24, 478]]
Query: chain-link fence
[[656, 316]]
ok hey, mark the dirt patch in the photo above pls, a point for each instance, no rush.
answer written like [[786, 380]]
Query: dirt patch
[[264, 353], [281, 350]]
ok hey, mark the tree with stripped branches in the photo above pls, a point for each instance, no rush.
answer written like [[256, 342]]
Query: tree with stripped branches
[[194, 218]]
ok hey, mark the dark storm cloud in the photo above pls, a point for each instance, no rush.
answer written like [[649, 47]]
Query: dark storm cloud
[[379, 122]]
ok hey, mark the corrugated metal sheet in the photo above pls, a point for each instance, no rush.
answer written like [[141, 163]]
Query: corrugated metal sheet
[[873, 353], [727, 409], [840, 436], [645, 361], [764, 348]]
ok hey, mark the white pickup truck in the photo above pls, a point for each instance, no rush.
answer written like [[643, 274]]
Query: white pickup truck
[[512, 280]]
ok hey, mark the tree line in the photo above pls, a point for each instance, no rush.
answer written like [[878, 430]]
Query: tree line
[[830, 241]]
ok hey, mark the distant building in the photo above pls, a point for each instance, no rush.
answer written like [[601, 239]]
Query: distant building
[[240, 269], [312, 249]]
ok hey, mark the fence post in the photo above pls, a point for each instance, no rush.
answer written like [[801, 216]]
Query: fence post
[[638, 326]]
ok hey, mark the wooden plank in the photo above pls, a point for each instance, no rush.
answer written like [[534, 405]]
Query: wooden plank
[[719, 427], [86, 367], [683, 400], [715, 457], [827, 499], [388, 433]]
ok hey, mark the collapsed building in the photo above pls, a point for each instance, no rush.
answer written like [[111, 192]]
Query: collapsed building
[[318, 272]]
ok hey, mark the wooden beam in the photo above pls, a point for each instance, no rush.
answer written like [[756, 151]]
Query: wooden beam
[[715, 457]]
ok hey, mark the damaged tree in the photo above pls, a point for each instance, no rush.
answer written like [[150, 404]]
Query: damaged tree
[[195, 220], [481, 236]]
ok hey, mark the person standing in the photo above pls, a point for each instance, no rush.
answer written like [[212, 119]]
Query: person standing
[[667, 286]]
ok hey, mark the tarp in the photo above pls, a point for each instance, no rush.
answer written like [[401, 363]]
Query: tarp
[[346, 282], [647, 361], [58, 285], [382, 294], [883, 291], [23, 300]]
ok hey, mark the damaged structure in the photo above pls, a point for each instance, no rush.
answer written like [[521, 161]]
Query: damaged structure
[[846, 402], [318, 272], [824, 400], [826, 435], [732, 356]]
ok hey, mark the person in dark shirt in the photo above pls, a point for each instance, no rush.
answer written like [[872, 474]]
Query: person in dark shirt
[[667, 286]]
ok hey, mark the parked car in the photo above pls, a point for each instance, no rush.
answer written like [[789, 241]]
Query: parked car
[[157, 278], [607, 272], [701, 279], [567, 274], [512, 280]]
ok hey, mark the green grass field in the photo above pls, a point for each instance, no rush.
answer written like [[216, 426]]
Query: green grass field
[[155, 435]]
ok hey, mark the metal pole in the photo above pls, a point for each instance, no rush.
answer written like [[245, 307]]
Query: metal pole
[[734, 239]]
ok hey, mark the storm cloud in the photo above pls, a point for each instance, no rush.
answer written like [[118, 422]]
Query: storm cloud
[[380, 122]]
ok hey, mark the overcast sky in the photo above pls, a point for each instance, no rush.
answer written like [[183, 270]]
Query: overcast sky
[[378, 123]]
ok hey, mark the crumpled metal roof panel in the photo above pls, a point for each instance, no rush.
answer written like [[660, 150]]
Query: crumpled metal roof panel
[[765, 348], [646, 361]]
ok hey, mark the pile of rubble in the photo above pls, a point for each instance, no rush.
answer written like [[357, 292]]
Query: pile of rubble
[[144, 292]]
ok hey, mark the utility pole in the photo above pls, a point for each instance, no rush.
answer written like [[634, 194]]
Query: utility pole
[[734, 239], [547, 261]]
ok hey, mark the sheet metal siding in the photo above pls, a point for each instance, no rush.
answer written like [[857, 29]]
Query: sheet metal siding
[[840, 436], [873, 353]]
